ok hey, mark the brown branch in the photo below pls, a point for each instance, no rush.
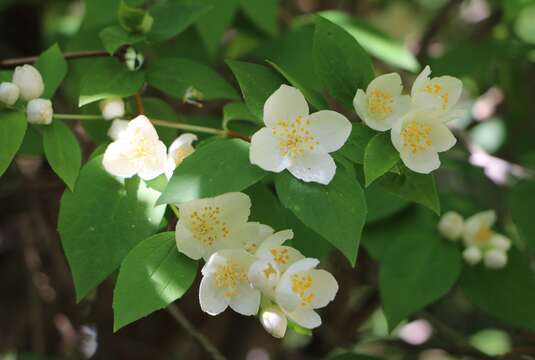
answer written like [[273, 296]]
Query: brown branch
[[9, 63], [139, 104]]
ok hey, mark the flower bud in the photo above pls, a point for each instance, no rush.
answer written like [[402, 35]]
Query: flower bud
[[118, 129], [472, 255], [134, 19], [495, 259], [29, 81], [274, 321], [451, 225], [9, 93], [39, 111], [112, 108], [133, 59]]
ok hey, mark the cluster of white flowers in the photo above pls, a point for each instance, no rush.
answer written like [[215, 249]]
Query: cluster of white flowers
[[137, 149], [27, 84], [247, 264], [417, 122], [480, 241]]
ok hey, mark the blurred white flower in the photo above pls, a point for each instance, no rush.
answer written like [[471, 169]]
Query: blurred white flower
[[495, 259], [382, 103], [298, 141], [441, 92], [451, 225], [29, 81], [180, 148], [274, 321], [112, 108], [39, 111], [472, 255], [117, 129], [137, 151], [9, 93]]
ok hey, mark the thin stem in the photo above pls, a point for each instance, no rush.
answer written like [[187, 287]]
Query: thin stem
[[188, 127], [179, 316], [139, 104], [8, 63], [175, 210], [77, 117]]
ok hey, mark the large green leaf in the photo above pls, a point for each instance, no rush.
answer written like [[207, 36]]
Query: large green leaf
[[507, 294], [113, 37], [153, 275], [174, 76], [108, 78], [341, 63], [12, 129], [53, 69], [416, 271], [257, 83], [101, 221], [336, 211], [171, 18], [381, 203], [355, 146], [62, 152], [263, 14], [216, 21], [379, 157], [522, 200], [216, 168]]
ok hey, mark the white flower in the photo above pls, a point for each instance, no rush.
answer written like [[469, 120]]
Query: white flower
[[302, 289], [225, 283], [495, 259], [297, 141], [211, 224], [472, 255], [112, 108], [117, 129], [29, 81], [382, 103], [39, 111], [9, 93], [178, 151], [451, 225], [137, 151], [419, 136], [442, 92], [251, 235], [274, 321]]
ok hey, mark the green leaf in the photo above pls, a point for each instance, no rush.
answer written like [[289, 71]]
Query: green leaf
[[257, 83], [174, 76], [62, 152], [379, 157], [522, 199], [416, 271], [12, 129], [113, 37], [238, 111], [411, 186], [342, 204], [32, 143], [216, 21], [108, 78], [219, 167], [382, 204], [354, 356], [171, 18], [341, 63], [156, 108], [101, 221], [355, 145], [53, 68], [507, 294], [263, 14], [153, 275], [312, 96]]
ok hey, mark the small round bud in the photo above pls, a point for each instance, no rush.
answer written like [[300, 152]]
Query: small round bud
[[133, 59], [9, 93], [112, 108], [39, 111], [500, 242], [451, 225], [29, 81], [117, 129], [274, 321], [495, 259], [472, 255]]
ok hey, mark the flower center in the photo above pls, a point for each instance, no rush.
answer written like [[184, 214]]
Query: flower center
[[437, 89], [300, 285], [379, 104], [280, 256], [269, 270], [416, 136], [483, 234], [294, 138], [229, 277], [206, 226]]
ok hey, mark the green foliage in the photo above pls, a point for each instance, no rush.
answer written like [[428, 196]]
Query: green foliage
[[172, 17], [342, 204], [62, 152], [379, 157], [155, 274], [521, 201], [53, 69], [12, 129], [238, 111], [355, 146], [208, 172], [416, 270], [113, 37], [97, 232], [382, 204], [263, 14]]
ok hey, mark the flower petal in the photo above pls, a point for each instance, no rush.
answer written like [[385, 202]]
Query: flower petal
[[187, 244], [306, 318], [155, 164], [250, 236], [117, 161], [420, 81], [442, 137], [141, 126], [331, 129], [211, 299], [265, 151], [235, 208], [286, 103], [247, 302], [318, 168], [324, 288], [389, 83], [422, 162]]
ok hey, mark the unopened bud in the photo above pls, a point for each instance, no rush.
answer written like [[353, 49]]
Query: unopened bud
[[274, 321], [495, 259], [134, 19], [9, 93], [39, 111], [112, 108], [117, 129], [29, 81], [133, 59], [472, 255], [451, 225]]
